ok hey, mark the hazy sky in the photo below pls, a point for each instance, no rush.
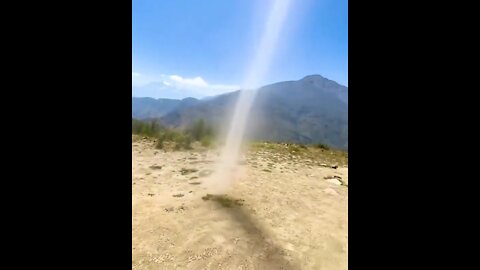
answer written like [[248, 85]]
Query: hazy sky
[[206, 46]]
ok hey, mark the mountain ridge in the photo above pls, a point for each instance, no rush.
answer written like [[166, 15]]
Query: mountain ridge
[[313, 109]]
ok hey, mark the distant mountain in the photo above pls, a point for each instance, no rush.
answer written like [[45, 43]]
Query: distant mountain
[[311, 110], [145, 108]]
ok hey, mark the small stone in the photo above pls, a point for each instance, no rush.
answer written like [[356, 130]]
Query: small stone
[[334, 181], [185, 171], [205, 173], [194, 183]]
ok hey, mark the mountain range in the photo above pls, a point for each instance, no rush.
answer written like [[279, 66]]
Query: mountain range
[[313, 109]]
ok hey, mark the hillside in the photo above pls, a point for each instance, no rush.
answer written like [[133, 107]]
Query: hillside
[[311, 110], [146, 107]]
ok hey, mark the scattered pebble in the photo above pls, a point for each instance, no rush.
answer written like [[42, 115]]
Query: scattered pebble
[[205, 173], [185, 171], [194, 183]]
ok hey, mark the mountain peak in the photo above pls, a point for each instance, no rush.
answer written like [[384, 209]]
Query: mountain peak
[[314, 77], [189, 99], [321, 81]]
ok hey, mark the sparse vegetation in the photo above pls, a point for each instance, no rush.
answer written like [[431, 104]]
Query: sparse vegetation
[[199, 130], [175, 139], [303, 146], [322, 146], [288, 151], [207, 141], [144, 128], [294, 149]]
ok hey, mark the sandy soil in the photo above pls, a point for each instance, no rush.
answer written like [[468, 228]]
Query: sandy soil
[[281, 214]]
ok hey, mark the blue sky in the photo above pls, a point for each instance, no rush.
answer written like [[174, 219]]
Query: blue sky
[[207, 46]]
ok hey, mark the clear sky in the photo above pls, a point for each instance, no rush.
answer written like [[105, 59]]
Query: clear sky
[[208, 44]]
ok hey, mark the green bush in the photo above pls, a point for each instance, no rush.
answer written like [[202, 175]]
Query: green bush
[[146, 128], [159, 144], [198, 131], [322, 146], [207, 141]]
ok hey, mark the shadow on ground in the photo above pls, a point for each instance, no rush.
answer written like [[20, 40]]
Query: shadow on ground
[[265, 253]]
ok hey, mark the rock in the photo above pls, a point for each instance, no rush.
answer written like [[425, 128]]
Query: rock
[[185, 171], [194, 183], [334, 181], [205, 173], [169, 209], [151, 194], [178, 195]]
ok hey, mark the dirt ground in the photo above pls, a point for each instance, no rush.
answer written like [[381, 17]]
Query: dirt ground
[[287, 211]]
